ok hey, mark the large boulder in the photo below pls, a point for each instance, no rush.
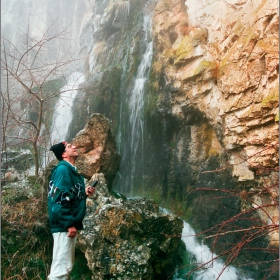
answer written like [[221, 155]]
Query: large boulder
[[97, 149], [128, 238]]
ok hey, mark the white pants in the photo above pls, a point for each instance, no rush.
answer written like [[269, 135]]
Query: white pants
[[63, 256]]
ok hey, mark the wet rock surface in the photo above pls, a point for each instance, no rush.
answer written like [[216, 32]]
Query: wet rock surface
[[128, 238]]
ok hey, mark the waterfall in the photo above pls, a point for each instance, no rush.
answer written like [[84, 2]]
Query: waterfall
[[136, 105], [203, 254], [132, 138], [62, 116]]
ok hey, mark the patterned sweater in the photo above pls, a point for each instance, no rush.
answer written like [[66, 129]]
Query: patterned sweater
[[66, 198]]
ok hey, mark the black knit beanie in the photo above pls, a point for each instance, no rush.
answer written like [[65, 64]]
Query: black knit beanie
[[58, 149]]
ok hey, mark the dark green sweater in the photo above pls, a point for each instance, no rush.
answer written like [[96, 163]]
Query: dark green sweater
[[66, 198]]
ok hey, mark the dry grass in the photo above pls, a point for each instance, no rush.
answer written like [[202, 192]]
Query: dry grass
[[26, 238]]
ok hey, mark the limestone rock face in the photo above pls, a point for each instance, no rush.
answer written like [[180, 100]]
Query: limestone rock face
[[222, 58], [97, 149], [128, 239]]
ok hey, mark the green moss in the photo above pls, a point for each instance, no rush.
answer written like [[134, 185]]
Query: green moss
[[177, 206], [272, 97], [185, 49], [151, 104], [80, 270], [153, 193], [152, 93], [209, 138], [34, 183], [203, 66], [277, 117], [50, 87], [102, 96]]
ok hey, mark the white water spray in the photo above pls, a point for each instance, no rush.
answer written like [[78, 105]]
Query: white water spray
[[136, 101], [132, 154], [136, 105], [62, 116], [203, 254]]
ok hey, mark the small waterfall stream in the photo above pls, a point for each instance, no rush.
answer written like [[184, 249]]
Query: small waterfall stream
[[134, 127], [202, 254], [62, 116], [136, 104]]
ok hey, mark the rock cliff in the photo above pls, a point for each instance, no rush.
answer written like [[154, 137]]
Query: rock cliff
[[209, 115], [219, 63], [210, 109], [221, 59]]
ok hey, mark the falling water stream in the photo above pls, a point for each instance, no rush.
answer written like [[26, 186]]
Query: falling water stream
[[136, 104], [62, 116], [131, 138], [201, 255]]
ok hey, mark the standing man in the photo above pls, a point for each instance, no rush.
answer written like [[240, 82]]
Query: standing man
[[66, 208]]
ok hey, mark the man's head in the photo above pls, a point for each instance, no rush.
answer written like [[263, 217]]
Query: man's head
[[64, 151]]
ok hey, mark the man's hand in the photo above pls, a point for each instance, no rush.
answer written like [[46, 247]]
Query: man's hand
[[90, 190], [72, 232]]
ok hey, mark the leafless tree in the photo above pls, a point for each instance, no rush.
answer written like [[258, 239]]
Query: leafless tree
[[26, 72]]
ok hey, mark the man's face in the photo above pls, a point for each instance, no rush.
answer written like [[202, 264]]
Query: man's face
[[70, 151]]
